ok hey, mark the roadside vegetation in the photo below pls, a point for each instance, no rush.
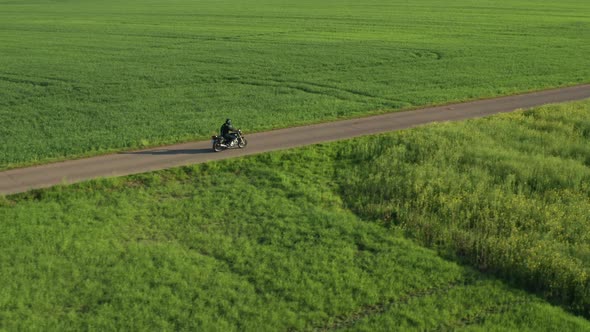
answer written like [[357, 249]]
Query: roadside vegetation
[[509, 194], [85, 77], [316, 238]]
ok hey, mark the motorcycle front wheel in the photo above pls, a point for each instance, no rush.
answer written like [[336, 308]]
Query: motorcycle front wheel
[[242, 143]]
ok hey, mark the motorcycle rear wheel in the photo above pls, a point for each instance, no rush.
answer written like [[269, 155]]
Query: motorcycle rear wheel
[[217, 146]]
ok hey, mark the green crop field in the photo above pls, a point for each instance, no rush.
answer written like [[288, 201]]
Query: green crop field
[[86, 77], [315, 238], [509, 195]]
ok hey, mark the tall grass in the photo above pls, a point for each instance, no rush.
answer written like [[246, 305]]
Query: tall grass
[[260, 243], [81, 77], [507, 194]]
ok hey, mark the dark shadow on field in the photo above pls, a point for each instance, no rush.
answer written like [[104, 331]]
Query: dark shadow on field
[[171, 152]]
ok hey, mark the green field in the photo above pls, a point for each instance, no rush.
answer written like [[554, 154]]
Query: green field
[[508, 194], [315, 238], [87, 77]]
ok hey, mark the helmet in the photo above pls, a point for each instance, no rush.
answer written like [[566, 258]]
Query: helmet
[[228, 121]]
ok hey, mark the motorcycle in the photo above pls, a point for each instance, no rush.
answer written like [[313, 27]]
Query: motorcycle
[[238, 141]]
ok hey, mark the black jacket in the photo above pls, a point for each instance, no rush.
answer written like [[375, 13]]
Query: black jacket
[[226, 129]]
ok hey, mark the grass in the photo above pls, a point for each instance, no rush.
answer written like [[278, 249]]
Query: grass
[[315, 238], [508, 194], [80, 78]]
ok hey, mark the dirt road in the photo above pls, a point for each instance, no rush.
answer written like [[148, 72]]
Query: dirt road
[[20, 180]]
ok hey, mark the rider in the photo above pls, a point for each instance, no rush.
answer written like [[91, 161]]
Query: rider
[[226, 130]]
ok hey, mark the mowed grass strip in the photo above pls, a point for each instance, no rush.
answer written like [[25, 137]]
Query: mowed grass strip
[[80, 78], [313, 238]]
